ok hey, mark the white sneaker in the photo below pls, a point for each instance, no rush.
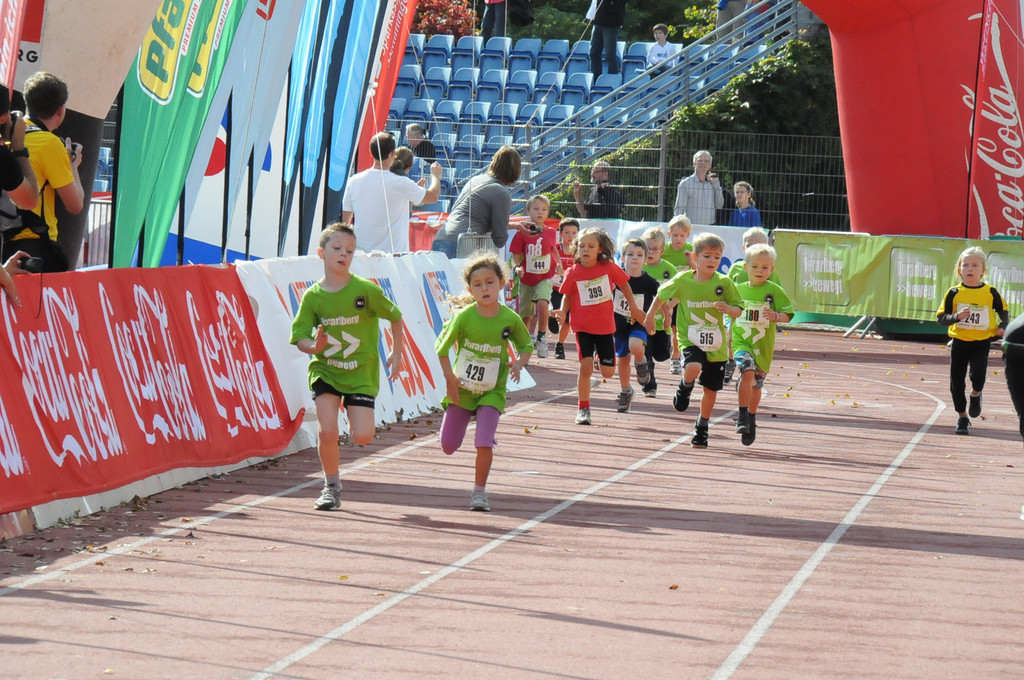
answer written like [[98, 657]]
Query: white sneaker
[[583, 416], [330, 499], [478, 502], [542, 349], [676, 367]]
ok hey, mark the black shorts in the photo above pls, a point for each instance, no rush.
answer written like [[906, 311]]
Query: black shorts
[[712, 373], [604, 345], [321, 386], [659, 346]]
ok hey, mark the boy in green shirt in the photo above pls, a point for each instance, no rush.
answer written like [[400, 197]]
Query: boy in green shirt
[[338, 324], [753, 334], [659, 345], [677, 253], [705, 296]]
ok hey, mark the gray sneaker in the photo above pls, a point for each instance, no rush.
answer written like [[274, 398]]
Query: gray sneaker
[[542, 349], [330, 499], [643, 373], [676, 367], [583, 416], [478, 502], [625, 398]]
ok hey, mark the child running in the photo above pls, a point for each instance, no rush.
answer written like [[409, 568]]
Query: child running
[[482, 329], [568, 228], [588, 304], [738, 273], [975, 313], [345, 310], [659, 344], [704, 296], [535, 261], [753, 334], [678, 254], [630, 335]]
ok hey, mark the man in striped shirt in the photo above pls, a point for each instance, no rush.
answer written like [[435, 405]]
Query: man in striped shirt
[[700, 194]]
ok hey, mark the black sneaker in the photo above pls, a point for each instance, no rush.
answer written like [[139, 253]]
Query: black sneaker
[[559, 350], [747, 438], [730, 368], [975, 408], [681, 400], [743, 423], [962, 425], [643, 373], [699, 440], [625, 398]]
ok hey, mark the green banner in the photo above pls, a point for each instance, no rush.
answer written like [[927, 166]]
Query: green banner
[[892, 277], [166, 101]]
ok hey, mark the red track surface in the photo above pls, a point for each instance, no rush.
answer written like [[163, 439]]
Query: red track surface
[[857, 538]]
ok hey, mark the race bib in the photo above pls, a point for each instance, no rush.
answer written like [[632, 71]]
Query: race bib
[[706, 336], [622, 306], [478, 373], [754, 317], [595, 291], [538, 264], [977, 318], [556, 281]]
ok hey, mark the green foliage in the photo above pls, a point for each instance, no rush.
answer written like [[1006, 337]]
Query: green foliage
[[567, 19], [445, 17]]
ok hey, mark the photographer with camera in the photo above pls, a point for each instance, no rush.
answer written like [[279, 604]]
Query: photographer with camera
[[16, 177], [604, 200], [55, 164]]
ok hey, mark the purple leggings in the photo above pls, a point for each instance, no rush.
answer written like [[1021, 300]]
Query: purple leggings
[[456, 419]]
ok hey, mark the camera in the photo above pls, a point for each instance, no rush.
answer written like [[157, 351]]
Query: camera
[[33, 265]]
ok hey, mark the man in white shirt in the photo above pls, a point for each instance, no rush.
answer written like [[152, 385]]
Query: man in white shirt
[[700, 194], [379, 199]]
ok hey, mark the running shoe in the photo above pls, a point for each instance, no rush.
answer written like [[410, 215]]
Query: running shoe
[[559, 350], [330, 498], [681, 400], [643, 373], [583, 416], [975, 408], [478, 502], [675, 367], [699, 440], [743, 423], [625, 398], [730, 368], [651, 393], [747, 438], [963, 423], [542, 349]]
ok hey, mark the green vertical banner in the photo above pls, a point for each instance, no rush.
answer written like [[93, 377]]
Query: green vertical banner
[[1006, 271], [919, 275], [166, 100]]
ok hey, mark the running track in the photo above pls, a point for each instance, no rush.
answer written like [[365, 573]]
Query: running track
[[857, 538]]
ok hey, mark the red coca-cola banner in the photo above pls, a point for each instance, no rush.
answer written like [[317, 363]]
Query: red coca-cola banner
[[11, 14], [112, 376], [996, 201]]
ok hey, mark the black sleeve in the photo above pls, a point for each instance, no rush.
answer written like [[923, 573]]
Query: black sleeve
[[1000, 309], [947, 317], [11, 176]]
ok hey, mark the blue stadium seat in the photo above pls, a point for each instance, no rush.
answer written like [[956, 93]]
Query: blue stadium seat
[[552, 56], [633, 90], [435, 83], [579, 58], [420, 111], [549, 88], [491, 86], [444, 145], [397, 108], [558, 113], [524, 54], [613, 116], [438, 51], [577, 89], [469, 147], [473, 120], [410, 78], [448, 109], [463, 84], [409, 59], [520, 86], [605, 84], [635, 59], [469, 44], [502, 119], [495, 142], [415, 45], [532, 113], [495, 53]]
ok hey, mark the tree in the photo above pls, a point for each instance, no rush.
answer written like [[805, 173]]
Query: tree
[[445, 17]]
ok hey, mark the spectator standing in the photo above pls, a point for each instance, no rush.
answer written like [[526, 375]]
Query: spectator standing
[[727, 11], [493, 21], [484, 204], [604, 201], [379, 199], [700, 194], [745, 214], [55, 164], [608, 20], [662, 52], [403, 161], [416, 137]]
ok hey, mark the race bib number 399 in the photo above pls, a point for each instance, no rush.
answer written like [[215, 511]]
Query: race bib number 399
[[595, 291]]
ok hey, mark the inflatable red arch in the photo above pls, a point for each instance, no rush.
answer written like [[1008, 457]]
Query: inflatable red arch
[[919, 158]]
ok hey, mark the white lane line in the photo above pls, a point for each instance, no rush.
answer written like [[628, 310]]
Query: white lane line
[[465, 560], [126, 548], [771, 615]]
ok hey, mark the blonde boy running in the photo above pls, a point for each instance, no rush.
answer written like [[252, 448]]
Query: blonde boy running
[[753, 334], [659, 344], [678, 253]]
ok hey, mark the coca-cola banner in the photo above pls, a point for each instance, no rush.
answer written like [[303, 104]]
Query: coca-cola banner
[[12, 12], [904, 69], [996, 201], [112, 376]]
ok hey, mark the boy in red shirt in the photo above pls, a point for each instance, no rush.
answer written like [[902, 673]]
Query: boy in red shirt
[[535, 262]]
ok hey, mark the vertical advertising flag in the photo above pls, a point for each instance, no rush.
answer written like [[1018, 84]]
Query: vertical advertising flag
[[996, 170], [12, 12], [167, 98]]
